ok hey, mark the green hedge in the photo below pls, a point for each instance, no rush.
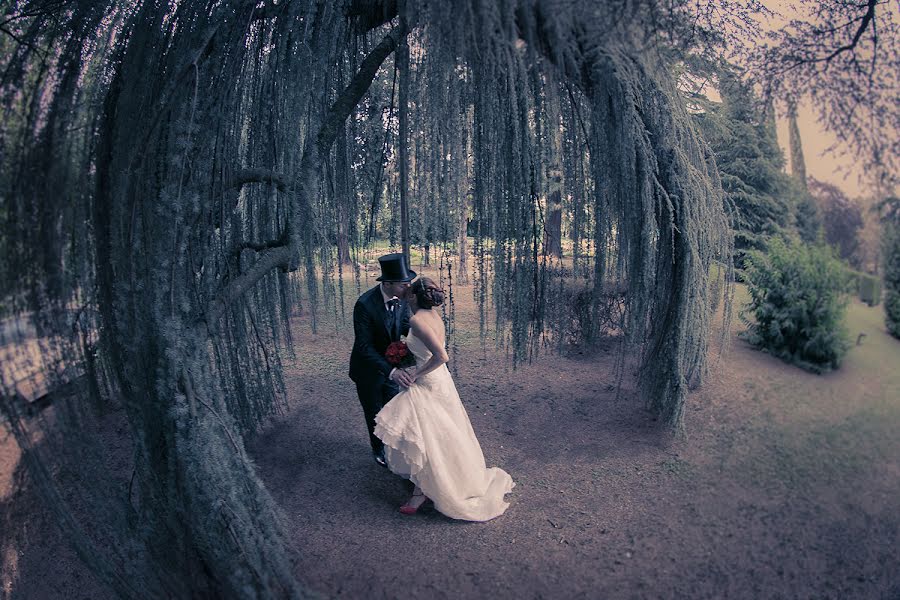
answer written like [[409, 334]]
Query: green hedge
[[798, 299], [891, 253], [867, 287]]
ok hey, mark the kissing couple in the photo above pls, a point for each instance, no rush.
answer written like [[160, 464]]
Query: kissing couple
[[417, 424]]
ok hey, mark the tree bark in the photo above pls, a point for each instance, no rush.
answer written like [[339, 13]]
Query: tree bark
[[205, 518], [553, 224], [462, 244], [343, 199]]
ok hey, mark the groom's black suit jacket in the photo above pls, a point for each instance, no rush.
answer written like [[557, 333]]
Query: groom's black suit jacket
[[372, 337]]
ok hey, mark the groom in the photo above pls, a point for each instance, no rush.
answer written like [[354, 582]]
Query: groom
[[380, 317]]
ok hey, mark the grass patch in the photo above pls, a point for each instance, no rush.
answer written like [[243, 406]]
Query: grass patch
[[823, 429], [800, 456]]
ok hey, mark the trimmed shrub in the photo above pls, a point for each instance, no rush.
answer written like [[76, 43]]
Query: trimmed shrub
[[867, 287], [891, 250], [798, 299]]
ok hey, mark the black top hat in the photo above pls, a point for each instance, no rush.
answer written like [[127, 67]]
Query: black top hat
[[393, 268]]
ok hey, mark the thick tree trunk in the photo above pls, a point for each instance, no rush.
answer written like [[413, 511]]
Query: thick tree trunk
[[205, 519], [553, 224], [343, 199], [462, 244]]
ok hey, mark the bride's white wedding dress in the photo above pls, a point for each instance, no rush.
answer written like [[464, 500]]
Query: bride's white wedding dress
[[428, 438]]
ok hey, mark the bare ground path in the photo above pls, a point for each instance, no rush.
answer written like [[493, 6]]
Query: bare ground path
[[787, 484]]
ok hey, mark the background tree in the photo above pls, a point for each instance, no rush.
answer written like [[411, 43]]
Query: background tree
[[870, 234], [844, 57], [841, 220], [553, 218], [808, 219], [890, 217], [749, 159]]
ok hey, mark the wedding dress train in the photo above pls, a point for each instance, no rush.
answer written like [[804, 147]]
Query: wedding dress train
[[428, 438]]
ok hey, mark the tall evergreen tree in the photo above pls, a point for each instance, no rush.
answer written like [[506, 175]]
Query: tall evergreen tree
[[808, 220], [751, 163]]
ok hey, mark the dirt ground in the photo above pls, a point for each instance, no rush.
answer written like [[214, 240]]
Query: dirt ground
[[786, 484]]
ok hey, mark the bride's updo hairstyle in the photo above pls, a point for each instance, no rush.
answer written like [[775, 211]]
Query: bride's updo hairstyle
[[428, 294]]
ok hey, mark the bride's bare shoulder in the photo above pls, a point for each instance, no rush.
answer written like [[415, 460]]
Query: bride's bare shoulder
[[427, 318]]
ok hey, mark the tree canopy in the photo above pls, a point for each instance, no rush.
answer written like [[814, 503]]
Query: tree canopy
[[845, 57], [176, 176]]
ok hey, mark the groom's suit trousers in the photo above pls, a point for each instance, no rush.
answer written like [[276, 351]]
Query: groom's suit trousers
[[373, 397]]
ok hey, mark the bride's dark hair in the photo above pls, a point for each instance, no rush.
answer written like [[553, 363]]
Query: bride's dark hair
[[428, 294]]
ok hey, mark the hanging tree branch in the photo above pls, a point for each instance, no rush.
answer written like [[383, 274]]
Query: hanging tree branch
[[184, 70], [866, 20], [283, 256], [245, 176], [355, 90], [379, 173], [843, 57]]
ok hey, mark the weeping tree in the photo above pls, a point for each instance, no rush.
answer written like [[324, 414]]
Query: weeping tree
[[202, 199], [174, 182]]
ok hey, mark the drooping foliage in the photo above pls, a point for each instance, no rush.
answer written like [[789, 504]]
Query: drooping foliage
[[644, 194], [798, 297], [841, 220], [179, 175], [189, 191]]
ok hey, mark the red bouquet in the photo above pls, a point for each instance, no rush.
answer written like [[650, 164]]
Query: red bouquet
[[399, 355]]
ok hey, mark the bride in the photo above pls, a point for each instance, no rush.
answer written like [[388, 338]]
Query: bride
[[426, 432]]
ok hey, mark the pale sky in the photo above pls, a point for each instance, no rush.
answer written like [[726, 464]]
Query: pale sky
[[841, 171]]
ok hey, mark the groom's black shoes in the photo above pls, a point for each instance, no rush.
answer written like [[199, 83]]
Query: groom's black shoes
[[379, 457]]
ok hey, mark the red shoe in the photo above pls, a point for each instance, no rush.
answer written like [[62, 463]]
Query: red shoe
[[413, 505]]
